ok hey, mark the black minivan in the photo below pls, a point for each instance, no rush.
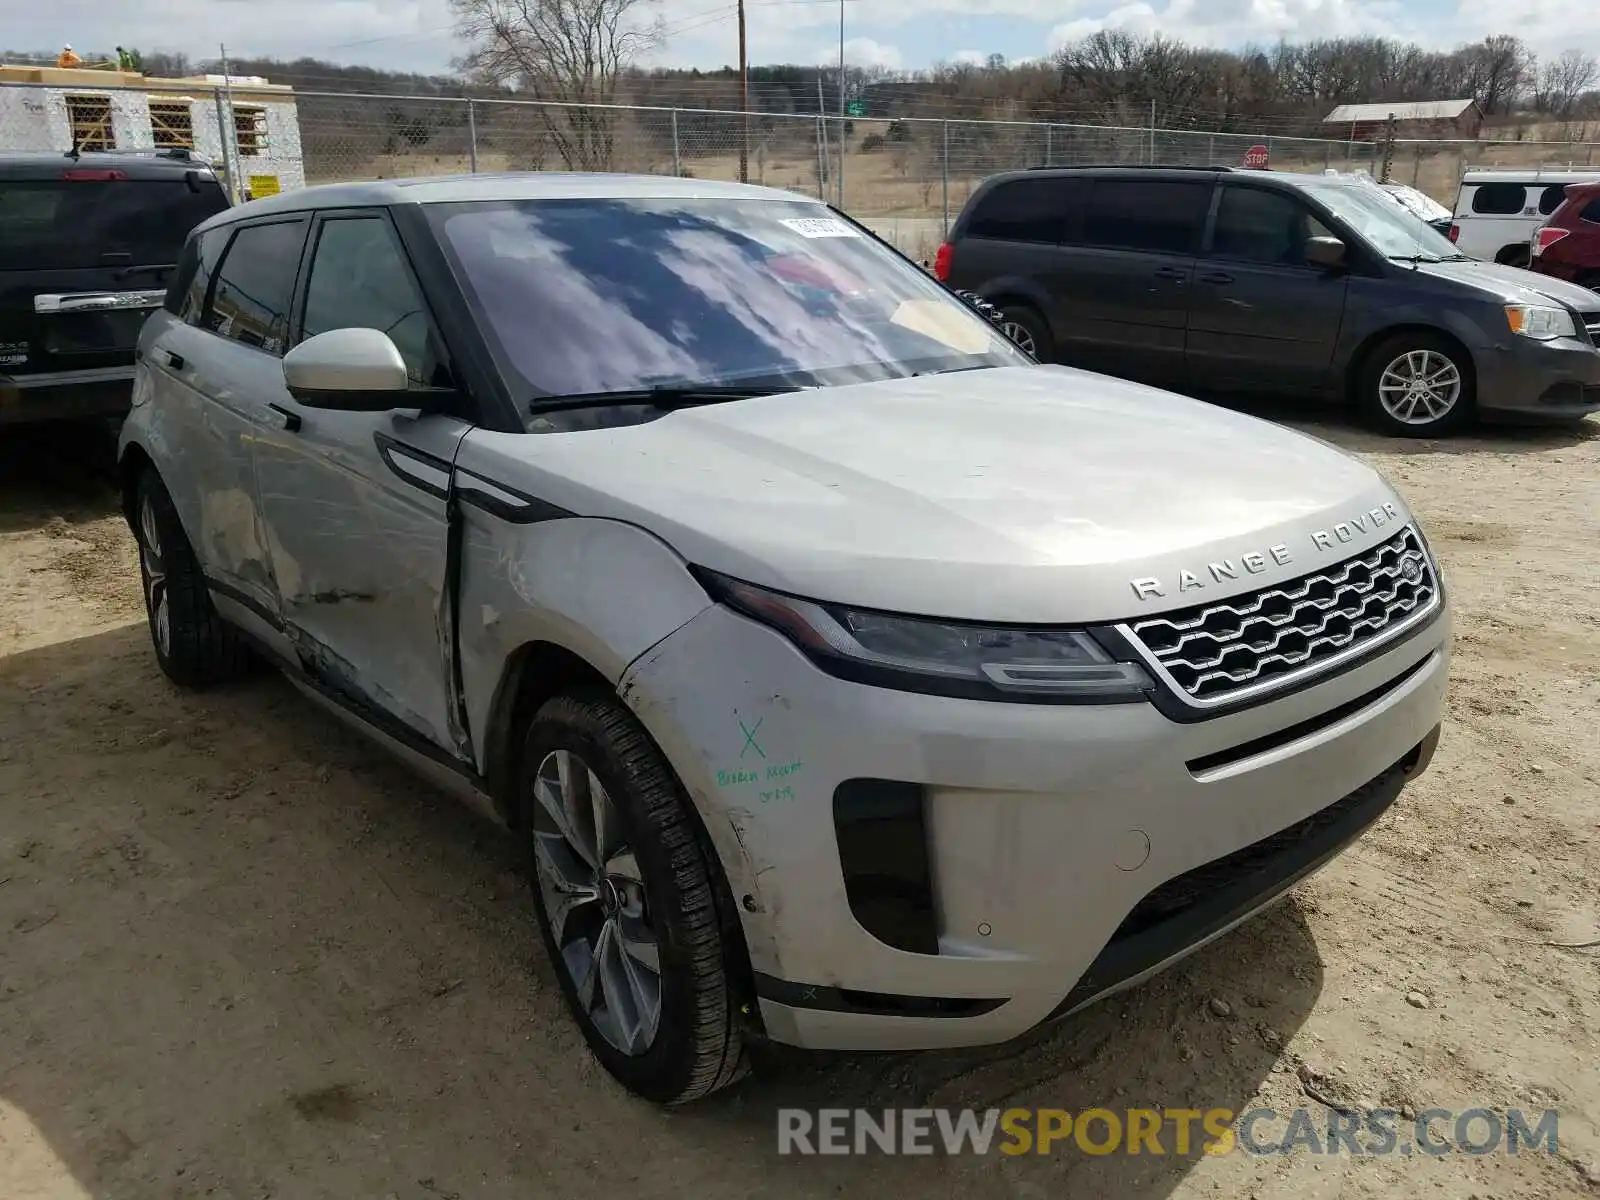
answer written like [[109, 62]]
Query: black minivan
[[87, 243], [1227, 280]]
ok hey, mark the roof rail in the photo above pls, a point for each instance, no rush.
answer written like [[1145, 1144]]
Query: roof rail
[[1126, 167]]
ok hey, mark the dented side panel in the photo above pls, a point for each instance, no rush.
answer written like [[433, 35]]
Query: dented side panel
[[603, 590], [355, 508], [198, 428]]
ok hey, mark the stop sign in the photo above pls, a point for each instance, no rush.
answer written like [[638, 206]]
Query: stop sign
[[1255, 158]]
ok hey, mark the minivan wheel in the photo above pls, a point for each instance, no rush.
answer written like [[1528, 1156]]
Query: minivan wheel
[[1027, 329], [194, 646], [1417, 385], [630, 908]]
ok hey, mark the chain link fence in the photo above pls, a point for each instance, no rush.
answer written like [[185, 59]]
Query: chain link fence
[[907, 177]]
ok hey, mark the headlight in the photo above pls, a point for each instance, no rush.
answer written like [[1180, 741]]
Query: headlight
[[951, 658], [1537, 321]]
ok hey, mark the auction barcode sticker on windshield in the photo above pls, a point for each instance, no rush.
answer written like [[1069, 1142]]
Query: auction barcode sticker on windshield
[[819, 227]]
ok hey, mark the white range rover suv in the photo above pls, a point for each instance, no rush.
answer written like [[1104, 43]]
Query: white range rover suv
[[854, 681]]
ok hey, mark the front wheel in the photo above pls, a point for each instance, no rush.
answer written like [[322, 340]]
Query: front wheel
[[637, 927], [1417, 385]]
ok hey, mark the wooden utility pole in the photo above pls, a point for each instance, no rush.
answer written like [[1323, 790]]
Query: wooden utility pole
[[744, 102], [1388, 149]]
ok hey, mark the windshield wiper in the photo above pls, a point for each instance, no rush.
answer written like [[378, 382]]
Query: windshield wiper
[[668, 396], [1414, 259]]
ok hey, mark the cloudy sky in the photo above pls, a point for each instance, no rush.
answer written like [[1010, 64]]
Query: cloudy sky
[[415, 34]]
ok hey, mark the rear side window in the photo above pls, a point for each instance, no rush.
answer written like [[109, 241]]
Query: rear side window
[[1550, 199], [1591, 211], [66, 224], [194, 275], [360, 280], [250, 300], [1146, 214], [1026, 210], [1499, 199]]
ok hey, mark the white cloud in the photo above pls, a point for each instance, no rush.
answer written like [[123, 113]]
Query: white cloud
[[1237, 22], [862, 52], [968, 58]]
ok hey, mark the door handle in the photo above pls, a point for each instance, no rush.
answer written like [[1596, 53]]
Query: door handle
[[291, 420], [1171, 273], [1216, 277], [175, 361]]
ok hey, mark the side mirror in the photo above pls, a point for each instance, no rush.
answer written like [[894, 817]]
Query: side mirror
[[349, 370], [1328, 252]]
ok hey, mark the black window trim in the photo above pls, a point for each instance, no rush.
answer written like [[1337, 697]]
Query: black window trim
[[469, 410], [232, 231]]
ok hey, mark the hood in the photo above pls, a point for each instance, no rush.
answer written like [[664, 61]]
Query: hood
[[1513, 285], [1023, 494]]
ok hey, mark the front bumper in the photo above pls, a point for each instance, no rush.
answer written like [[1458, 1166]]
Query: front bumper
[[1071, 850], [65, 395], [1523, 379]]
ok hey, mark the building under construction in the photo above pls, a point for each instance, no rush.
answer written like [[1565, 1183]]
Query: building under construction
[[246, 127]]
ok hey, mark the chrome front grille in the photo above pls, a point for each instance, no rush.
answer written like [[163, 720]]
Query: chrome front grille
[[1247, 644], [1591, 325]]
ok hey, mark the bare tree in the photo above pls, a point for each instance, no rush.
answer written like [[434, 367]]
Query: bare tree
[[1562, 82], [569, 53]]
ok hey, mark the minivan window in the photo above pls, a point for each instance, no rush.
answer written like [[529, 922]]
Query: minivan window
[[250, 302], [72, 224], [1257, 225], [603, 295], [1387, 227], [1550, 199], [359, 279], [1026, 210], [1591, 211], [1146, 214], [1499, 199]]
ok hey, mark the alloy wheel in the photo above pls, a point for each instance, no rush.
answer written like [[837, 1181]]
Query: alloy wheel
[[594, 900], [1419, 387], [1019, 334], [153, 568]]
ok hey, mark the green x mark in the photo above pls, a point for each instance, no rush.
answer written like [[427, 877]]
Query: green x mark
[[749, 732]]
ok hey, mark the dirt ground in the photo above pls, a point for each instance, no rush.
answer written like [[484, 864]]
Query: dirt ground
[[242, 954]]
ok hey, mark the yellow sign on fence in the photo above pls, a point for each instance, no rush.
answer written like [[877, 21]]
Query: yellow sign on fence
[[263, 185]]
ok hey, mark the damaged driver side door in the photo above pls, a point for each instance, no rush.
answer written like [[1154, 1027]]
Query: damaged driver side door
[[354, 504]]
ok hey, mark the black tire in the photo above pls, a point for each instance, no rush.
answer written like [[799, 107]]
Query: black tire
[[1028, 329], [195, 647], [1375, 382], [1514, 256], [697, 1046]]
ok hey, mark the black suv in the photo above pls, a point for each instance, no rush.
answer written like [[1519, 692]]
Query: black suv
[[1224, 280], [87, 243]]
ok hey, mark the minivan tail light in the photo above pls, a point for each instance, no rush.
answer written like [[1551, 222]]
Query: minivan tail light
[[1547, 237], [92, 175], [1455, 233], [941, 262]]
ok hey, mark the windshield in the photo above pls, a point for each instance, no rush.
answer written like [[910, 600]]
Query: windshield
[[1388, 226], [1419, 204], [605, 295]]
